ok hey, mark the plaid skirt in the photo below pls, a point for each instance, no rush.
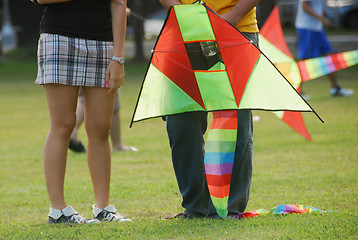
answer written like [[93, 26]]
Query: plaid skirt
[[72, 61]]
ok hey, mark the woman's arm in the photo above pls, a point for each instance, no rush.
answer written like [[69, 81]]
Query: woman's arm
[[119, 22], [115, 71], [241, 8]]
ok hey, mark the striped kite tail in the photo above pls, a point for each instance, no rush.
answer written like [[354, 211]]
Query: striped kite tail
[[219, 158], [317, 67]]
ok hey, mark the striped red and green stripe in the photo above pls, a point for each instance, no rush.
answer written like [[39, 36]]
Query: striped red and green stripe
[[317, 67]]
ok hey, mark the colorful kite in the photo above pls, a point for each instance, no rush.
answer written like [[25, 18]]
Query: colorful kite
[[282, 209], [200, 62], [273, 44]]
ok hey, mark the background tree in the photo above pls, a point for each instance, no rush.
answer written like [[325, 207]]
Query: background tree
[[138, 6], [143, 9], [26, 17]]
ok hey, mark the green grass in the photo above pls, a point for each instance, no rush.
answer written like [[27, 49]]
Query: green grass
[[287, 170]]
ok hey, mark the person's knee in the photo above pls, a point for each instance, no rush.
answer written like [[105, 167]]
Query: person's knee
[[63, 127], [98, 130]]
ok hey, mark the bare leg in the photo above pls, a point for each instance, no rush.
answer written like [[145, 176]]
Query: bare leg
[[62, 101], [115, 131], [98, 119], [115, 134], [333, 80], [79, 118]]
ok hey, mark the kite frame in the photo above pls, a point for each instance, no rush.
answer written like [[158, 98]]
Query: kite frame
[[249, 41]]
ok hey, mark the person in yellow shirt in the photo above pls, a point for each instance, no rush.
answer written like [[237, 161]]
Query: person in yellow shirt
[[186, 130], [241, 13]]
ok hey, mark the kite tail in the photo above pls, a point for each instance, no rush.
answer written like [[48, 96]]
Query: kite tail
[[282, 209], [317, 67], [219, 158]]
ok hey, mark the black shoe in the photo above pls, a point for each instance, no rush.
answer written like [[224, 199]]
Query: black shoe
[[229, 216], [76, 146], [215, 217], [233, 216], [67, 215], [176, 216], [184, 214]]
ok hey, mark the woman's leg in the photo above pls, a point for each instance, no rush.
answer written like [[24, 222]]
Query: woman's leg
[[79, 118], [62, 101], [98, 118]]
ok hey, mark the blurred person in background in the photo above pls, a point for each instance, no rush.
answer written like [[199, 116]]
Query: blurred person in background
[[115, 132], [312, 40]]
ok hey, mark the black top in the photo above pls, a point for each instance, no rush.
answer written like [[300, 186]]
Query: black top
[[87, 19]]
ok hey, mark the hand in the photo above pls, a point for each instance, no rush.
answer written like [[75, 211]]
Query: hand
[[326, 22], [114, 76]]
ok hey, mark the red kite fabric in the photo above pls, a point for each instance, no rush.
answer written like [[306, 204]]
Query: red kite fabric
[[273, 42]]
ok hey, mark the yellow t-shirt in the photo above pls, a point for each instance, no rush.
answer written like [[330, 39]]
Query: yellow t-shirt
[[247, 24]]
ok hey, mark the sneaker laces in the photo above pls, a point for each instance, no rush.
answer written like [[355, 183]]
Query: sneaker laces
[[114, 217], [111, 217], [109, 214], [76, 218]]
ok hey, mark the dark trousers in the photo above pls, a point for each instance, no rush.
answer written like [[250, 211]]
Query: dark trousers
[[185, 132]]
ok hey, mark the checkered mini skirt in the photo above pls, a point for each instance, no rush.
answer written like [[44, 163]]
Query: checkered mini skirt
[[72, 61]]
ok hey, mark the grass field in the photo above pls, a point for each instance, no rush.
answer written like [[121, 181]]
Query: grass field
[[287, 170]]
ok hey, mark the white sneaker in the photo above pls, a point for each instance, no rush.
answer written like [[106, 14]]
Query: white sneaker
[[67, 215], [339, 91], [108, 214]]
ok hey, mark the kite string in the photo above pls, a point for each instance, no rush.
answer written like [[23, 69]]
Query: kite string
[[163, 51]]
